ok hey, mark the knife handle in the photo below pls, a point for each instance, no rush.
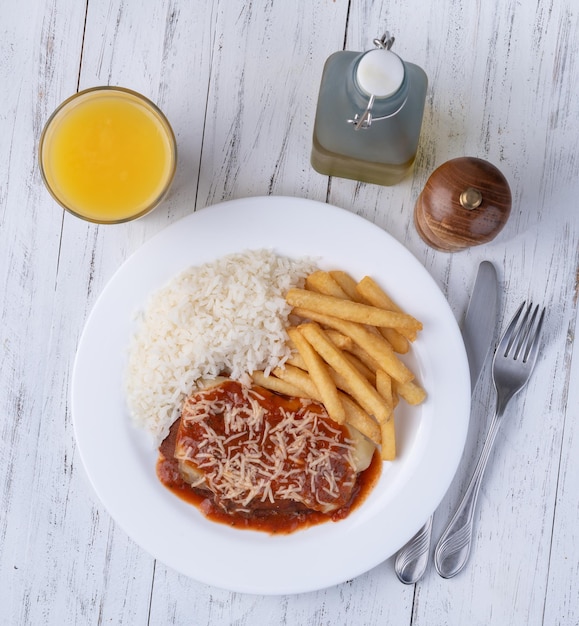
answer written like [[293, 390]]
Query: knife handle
[[412, 559]]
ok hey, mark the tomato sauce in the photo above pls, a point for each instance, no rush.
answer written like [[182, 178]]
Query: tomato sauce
[[280, 517], [273, 522]]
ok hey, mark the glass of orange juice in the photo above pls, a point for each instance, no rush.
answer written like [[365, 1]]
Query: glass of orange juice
[[108, 155]]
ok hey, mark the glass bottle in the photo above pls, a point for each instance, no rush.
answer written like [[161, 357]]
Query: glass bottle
[[369, 114]]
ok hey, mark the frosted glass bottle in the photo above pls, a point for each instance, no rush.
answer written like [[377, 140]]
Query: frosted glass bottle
[[369, 115]]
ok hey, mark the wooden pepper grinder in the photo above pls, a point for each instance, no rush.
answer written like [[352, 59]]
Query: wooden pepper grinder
[[465, 202]]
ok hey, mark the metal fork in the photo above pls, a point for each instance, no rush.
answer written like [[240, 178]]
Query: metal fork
[[513, 363]]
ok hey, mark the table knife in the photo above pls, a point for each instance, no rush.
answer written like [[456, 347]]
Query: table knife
[[478, 334]]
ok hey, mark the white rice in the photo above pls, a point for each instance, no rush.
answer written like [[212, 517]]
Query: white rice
[[229, 315]]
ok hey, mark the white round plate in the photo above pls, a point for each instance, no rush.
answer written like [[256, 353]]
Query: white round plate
[[120, 460]]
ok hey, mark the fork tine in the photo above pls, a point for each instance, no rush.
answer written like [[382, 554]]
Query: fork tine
[[509, 335], [523, 337], [532, 350]]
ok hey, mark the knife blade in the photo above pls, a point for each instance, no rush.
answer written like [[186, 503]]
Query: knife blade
[[478, 333], [481, 319]]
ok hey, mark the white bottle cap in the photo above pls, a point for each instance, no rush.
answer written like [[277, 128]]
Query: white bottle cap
[[380, 73]]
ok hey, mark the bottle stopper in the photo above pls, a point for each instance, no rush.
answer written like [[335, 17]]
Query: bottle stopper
[[465, 202]]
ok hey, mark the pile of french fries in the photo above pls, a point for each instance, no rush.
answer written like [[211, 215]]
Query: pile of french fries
[[346, 343]]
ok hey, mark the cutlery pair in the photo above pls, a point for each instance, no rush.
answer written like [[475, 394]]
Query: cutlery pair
[[513, 363]]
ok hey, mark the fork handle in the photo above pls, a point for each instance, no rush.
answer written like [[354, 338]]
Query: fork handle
[[453, 548]]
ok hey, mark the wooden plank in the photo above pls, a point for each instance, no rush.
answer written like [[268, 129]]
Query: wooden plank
[[39, 62], [561, 606], [262, 98]]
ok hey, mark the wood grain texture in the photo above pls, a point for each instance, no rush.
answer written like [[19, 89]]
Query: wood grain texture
[[465, 202], [238, 80], [261, 100]]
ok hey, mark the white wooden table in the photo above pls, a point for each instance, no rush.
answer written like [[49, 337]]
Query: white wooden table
[[238, 81]]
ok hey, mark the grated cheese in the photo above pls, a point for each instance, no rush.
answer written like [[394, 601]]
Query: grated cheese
[[301, 458]]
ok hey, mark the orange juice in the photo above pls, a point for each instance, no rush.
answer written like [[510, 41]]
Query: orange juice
[[108, 155]]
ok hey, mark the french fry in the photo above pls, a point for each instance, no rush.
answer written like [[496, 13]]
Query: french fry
[[374, 345], [366, 371], [384, 388], [360, 420], [388, 436], [276, 384], [411, 392], [320, 375], [356, 332], [297, 360], [362, 292], [395, 395], [369, 290], [322, 282], [364, 358], [299, 378], [355, 384], [349, 310], [347, 283], [342, 382], [342, 341], [387, 428], [355, 415], [396, 339]]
